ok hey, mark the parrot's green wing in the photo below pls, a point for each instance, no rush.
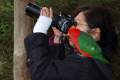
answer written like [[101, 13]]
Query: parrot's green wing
[[89, 45]]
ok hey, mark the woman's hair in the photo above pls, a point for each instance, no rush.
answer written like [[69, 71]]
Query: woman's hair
[[101, 17]]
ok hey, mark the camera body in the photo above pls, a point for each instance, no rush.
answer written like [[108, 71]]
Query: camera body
[[62, 21]]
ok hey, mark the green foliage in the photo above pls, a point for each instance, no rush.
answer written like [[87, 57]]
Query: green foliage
[[69, 6], [6, 39]]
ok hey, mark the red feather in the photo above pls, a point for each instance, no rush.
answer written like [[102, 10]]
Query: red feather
[[74, 34]]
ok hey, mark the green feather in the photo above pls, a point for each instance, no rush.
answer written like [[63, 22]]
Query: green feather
[[89, 45]]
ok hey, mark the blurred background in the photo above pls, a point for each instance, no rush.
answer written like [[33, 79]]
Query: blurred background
[[68, 6]]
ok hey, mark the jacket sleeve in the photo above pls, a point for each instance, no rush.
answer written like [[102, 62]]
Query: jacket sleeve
[[42, 61], [37, 48], [57, 51]]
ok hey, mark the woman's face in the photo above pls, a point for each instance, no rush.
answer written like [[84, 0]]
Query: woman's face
[[81, 22], [82, 25]]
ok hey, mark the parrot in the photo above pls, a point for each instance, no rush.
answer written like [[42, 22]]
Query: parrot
[[86, 45]]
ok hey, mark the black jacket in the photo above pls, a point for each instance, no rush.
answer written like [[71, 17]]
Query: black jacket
[[45, 66]]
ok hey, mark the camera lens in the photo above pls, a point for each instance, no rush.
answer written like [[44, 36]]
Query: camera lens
[[33, 10]]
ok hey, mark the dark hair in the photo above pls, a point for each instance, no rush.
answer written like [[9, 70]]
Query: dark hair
[[101, 17]]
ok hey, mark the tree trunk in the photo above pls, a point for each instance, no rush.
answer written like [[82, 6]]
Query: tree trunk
[[22, 27]]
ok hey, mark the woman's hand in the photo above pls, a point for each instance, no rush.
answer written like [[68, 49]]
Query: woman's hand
[[57, 35], [48, 12], [44, 21]]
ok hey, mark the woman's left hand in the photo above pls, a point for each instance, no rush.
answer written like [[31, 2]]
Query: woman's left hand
[[57, 35]]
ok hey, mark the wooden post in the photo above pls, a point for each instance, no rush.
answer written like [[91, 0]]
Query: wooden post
[[22, 27]]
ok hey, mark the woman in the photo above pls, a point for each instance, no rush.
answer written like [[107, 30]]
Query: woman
[[96, 22], [99, 21]]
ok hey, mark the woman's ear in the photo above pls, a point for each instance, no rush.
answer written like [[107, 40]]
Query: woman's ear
[[95, 33]]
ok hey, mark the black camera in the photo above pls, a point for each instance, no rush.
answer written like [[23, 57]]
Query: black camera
[[62, 21]]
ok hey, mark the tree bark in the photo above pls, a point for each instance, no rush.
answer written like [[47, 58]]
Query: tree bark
[[22, 27]]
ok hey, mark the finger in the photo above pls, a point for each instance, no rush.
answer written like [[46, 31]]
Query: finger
[[54, 28], [47, 12], [44, 12], [51, 12], [41, 12]]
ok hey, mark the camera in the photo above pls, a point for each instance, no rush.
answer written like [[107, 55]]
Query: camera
[[61, 21]]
